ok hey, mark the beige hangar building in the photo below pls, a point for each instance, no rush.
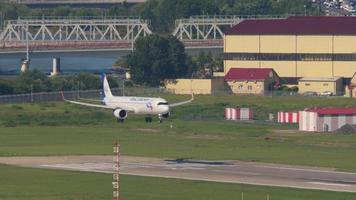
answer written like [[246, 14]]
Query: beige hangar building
[[295, 47]]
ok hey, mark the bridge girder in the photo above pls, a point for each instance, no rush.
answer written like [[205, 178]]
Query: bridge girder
[[203, 27], [74, 30]]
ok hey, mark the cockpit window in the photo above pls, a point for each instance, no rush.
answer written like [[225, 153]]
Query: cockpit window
[[162, 103]]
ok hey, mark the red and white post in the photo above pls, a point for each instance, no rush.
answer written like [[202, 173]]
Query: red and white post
[[116, 170]]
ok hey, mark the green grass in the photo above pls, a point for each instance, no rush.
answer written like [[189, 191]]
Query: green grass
[[199, 132], [196, 140], [42, 184], [203, 108]]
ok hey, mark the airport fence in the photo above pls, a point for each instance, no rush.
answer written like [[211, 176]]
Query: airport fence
[[135, 91], [74, 95]]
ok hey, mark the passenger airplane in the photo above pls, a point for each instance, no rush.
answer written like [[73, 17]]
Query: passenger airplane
[[121, 106]]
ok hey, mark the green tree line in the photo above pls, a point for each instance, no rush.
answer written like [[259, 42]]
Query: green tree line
[[36, 81]]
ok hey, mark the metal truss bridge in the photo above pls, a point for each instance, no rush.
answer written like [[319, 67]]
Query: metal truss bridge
[[203, 30], [107, 34], [42, 34], [71, 2]]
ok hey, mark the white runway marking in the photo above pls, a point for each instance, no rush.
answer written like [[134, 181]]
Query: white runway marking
[[330, 184], [236, 172], [306, 170], [109, 166]]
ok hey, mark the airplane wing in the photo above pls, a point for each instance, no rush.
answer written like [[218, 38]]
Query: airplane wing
[[95, 100], [182, 103], [86, 104]]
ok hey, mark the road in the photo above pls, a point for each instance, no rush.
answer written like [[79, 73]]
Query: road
[[221, 171]]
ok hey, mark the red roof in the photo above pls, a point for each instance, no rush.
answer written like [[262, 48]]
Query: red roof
[[333, 111], [296, 26], [248, 74]]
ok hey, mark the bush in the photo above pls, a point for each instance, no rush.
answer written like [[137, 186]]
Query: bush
[[10, 123]]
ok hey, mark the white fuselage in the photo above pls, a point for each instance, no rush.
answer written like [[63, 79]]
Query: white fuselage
[[140, 105]]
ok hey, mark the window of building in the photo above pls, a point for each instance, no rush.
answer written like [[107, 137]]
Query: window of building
[[249, 87], [325, 84], [240, 87], [307, 84]]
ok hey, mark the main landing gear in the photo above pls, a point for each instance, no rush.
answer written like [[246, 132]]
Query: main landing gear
[[120, 120], [148, 119]]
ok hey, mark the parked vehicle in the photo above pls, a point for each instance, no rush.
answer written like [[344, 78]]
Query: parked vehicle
[[326, 93], [310, 94]]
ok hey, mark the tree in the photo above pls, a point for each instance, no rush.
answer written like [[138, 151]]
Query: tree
[[62, 11], [32, 80], [156, 58], [6, 87]]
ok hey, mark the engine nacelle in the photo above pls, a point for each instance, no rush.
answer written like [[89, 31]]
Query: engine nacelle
[[165, 116], [120, 114]]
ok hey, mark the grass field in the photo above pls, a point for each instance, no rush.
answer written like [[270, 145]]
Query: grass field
[[199, 132], [197, 140], [203, 108], [41, 184], [63, 129]]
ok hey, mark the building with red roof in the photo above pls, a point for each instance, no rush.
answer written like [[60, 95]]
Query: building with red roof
[[326, 119], [295, 47], [251, 80]]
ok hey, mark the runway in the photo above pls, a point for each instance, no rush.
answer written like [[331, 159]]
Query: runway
[[217, 171]]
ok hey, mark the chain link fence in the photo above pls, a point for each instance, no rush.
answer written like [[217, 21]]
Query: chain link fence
[[136, 91], [75, 95]]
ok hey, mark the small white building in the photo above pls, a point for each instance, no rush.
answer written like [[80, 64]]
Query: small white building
[[326, 119], [238, 114]]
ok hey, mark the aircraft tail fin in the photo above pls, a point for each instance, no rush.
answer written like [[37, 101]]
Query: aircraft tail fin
[[106, 87]]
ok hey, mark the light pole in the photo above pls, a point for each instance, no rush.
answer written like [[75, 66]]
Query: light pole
[[78, 91], [123, 87], [31, 93], [305, 10]]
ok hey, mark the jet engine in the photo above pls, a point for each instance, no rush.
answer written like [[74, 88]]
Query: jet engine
[[120, 114]]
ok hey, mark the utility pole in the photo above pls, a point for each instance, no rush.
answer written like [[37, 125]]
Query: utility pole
[[2, 18], [78, 91], [305, 10], [27, 46], [132, 40], [31, 93], [123, 87]]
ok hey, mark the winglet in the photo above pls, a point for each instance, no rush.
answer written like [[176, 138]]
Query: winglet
[[183, 102]]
